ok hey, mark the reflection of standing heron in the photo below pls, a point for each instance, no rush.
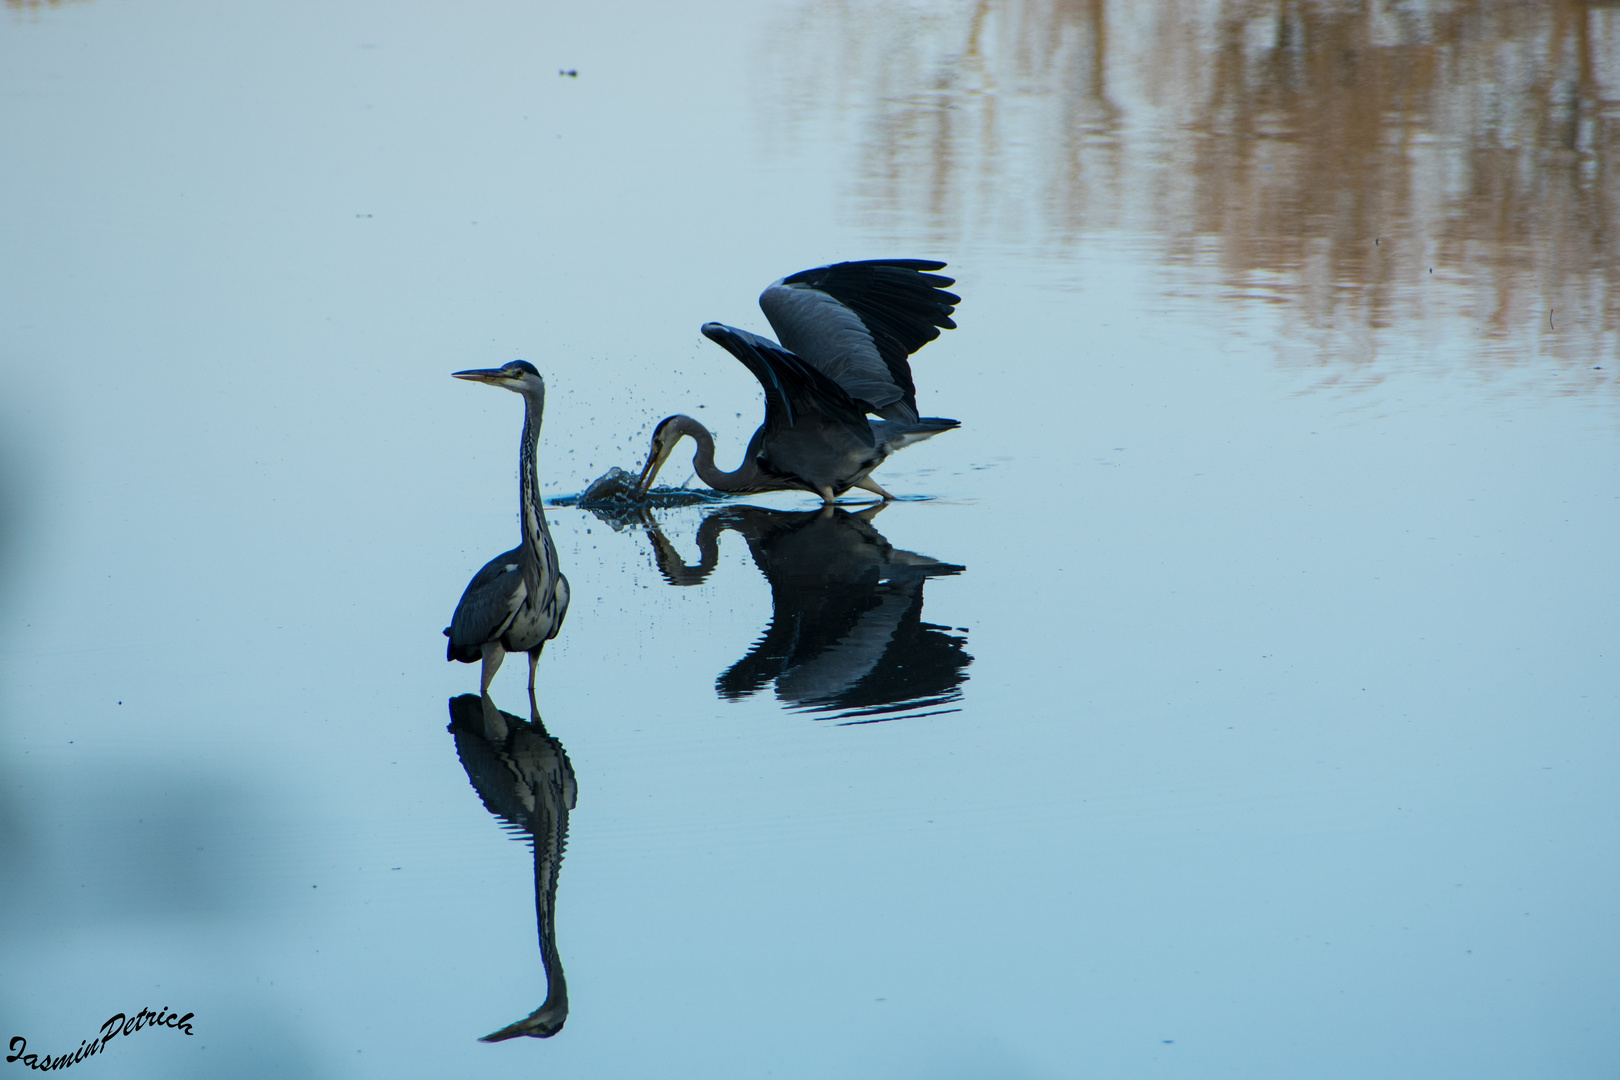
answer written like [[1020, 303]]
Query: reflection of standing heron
[[523, 776], [516, 603], [846, 626], [846, 332]]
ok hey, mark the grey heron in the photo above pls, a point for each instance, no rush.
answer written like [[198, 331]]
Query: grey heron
[[846, 332], [523, 776], [516, 603], [846, 628]]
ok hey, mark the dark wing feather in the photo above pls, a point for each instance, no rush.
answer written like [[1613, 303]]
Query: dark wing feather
[[857, 322], [793, 389], [486, 607]]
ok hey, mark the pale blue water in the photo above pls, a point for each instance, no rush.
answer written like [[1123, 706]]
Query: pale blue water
[[1272, 722]]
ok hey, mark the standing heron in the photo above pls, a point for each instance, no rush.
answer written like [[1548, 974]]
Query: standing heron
[[846, 332], [516, 603]]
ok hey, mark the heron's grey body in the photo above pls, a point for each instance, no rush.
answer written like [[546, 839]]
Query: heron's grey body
[[517, 601], [846, 331]]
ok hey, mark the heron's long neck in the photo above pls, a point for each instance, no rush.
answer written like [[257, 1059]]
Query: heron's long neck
[[742, 479], [535, 534], [673, 566], [550, 832]]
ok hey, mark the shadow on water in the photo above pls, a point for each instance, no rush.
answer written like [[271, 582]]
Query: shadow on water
[[1370, 167], [524, 777], [846, 635]]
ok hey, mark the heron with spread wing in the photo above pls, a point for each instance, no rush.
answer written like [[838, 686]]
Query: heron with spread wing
[[847, 331]]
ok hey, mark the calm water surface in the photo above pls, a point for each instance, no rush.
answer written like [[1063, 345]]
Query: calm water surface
[[1236, 696]]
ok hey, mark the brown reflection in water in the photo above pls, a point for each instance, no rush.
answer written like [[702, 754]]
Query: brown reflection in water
[[943, 93], [21, 6], [1370, 165]]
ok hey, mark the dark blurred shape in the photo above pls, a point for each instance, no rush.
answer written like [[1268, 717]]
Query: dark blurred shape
[[105, 846], [1315, 152], [524, 777], [12, 511], [846, 633]]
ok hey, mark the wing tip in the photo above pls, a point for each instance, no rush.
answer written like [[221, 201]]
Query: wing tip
[[922, 267]]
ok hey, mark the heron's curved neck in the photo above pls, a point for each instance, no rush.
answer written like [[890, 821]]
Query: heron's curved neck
[[673, 566], [744, 478], [531, 505]]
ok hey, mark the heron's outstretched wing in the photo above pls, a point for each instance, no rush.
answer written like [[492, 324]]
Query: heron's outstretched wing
[[794, 390], [492, 597], [856, 322]]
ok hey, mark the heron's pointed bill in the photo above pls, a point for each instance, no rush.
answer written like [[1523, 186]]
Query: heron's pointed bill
[[483, 375], [657, 454], [543, 1023], [644, 481]]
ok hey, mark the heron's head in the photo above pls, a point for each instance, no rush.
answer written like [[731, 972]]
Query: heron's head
[[665, 436], [518, 376]]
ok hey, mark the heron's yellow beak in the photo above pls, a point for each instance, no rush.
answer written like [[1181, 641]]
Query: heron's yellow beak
[[483, 375]]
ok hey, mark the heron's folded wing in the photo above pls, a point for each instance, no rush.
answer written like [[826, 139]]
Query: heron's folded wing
[[560, 595], [857, 322], [492, 598], [792, 387]]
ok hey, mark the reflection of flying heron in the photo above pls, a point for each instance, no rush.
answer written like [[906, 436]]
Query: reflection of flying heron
[[516, 603], [523, 776], [846, 332], [846, 626]]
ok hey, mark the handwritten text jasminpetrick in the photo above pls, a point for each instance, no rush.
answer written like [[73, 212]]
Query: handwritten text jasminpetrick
[[117, 1024]]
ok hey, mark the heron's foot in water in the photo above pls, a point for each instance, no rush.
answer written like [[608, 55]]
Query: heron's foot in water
[[534, 714], [534, 710], [543, 1023], [866, 483]]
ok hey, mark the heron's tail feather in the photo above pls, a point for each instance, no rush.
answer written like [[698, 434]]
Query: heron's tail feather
[[467, 654], [898, 436]]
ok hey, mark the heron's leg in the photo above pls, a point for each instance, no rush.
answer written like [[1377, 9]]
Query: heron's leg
[[534, 710], [493, 655], [827, 496], [866, 483], [495, 728]]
